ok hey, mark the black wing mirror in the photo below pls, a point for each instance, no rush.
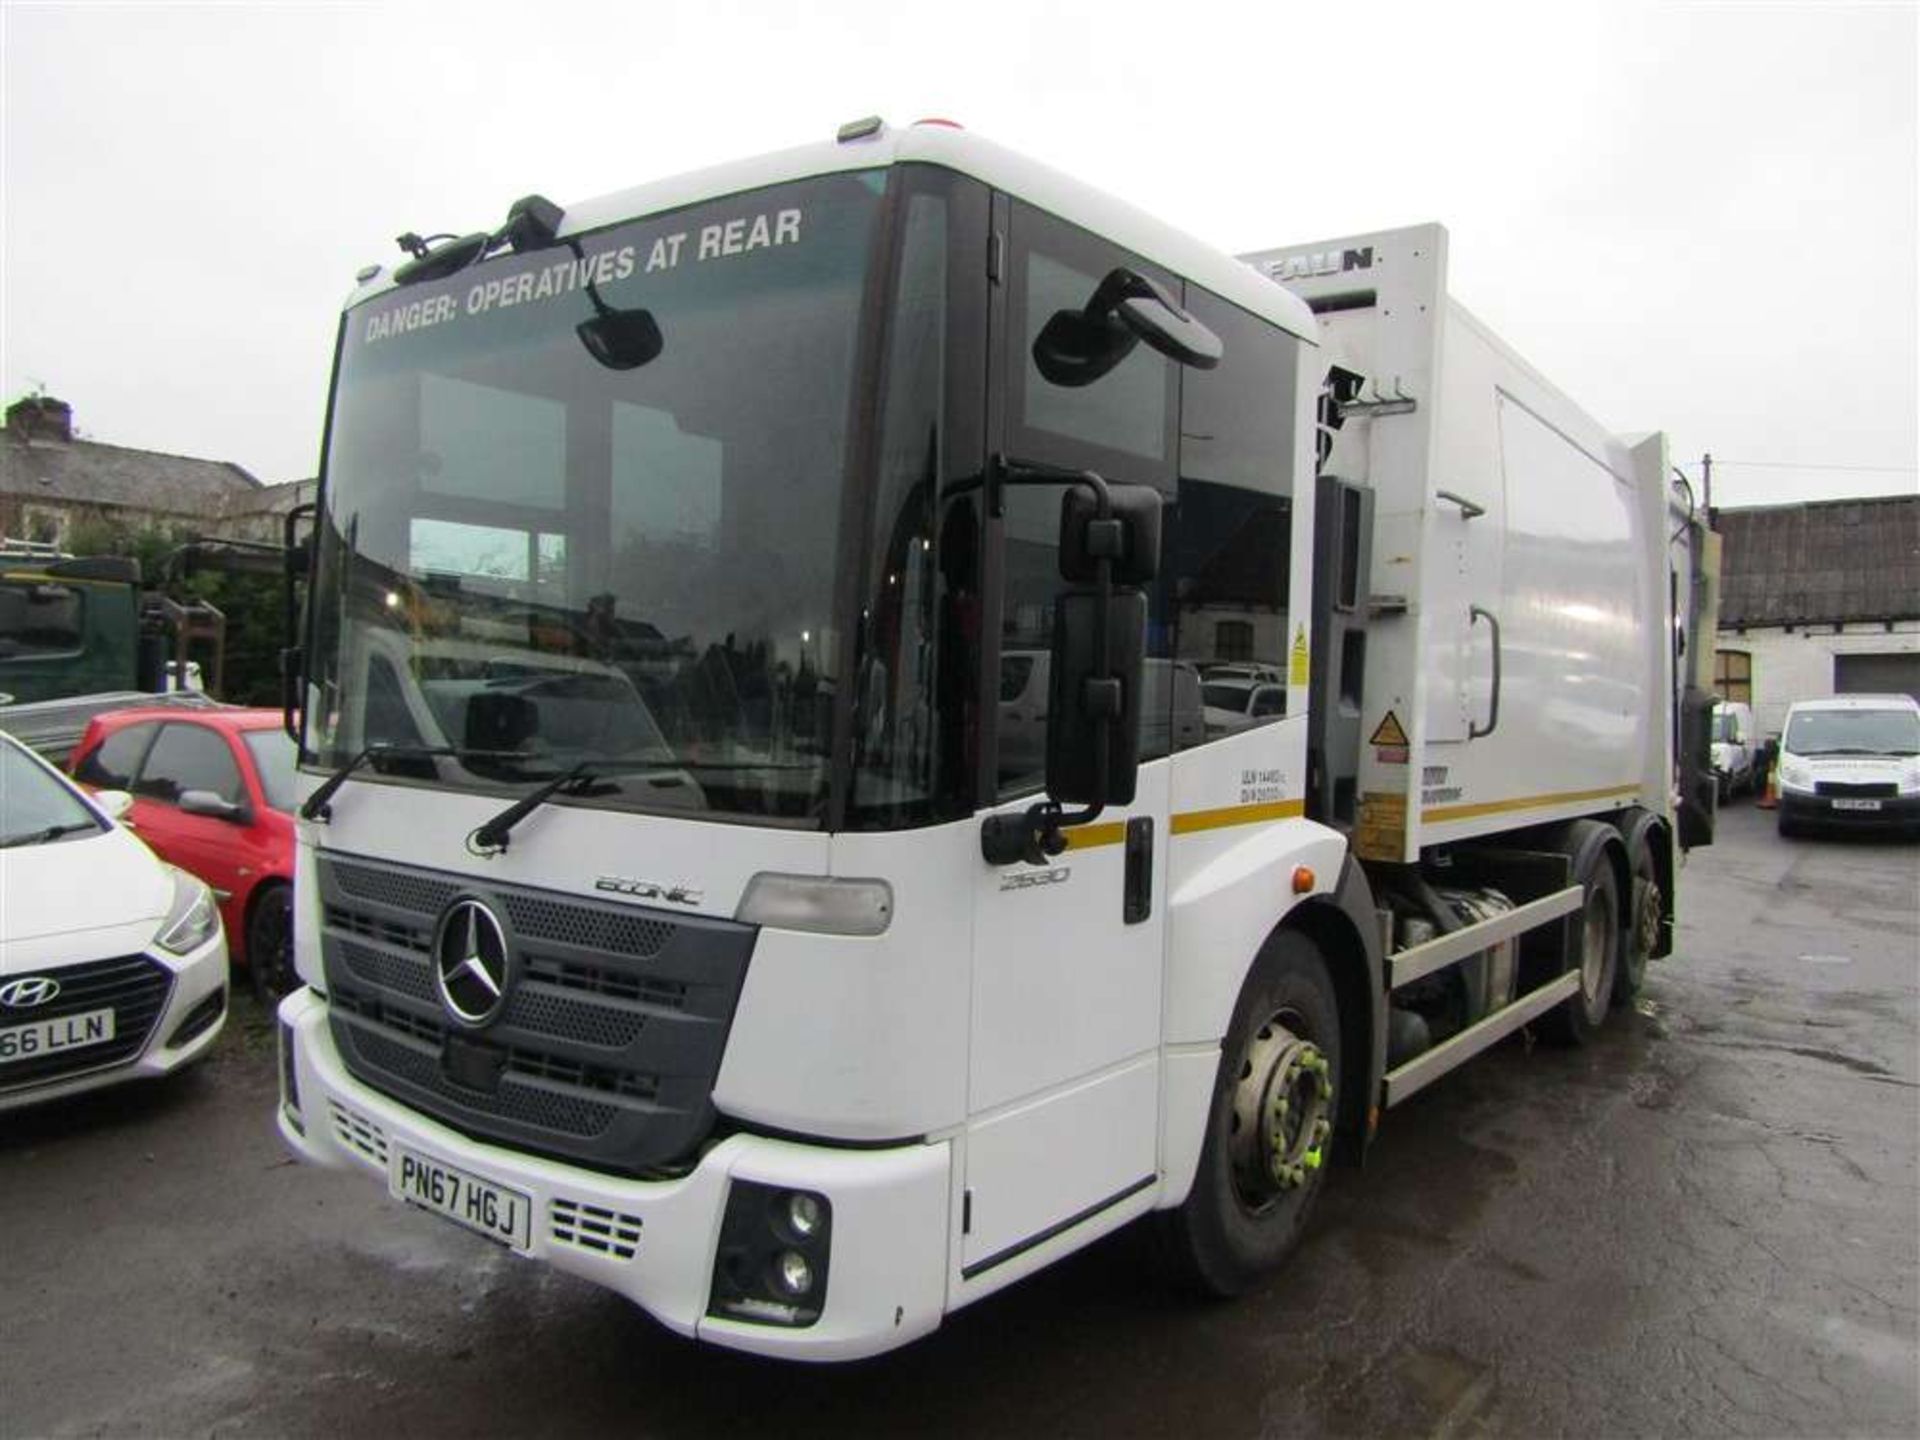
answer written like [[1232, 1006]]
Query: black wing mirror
[[1077, 347], [621, 339]]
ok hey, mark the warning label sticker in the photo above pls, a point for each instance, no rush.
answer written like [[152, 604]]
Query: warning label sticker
[[1389, 741], [1388, 732], [1297, 659]]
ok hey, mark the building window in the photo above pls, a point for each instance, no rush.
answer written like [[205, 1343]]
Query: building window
[[44, 526], [1733, 675], [1233, 640]]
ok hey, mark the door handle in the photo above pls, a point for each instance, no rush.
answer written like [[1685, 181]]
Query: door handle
[[1475, 612], [1136, 902]]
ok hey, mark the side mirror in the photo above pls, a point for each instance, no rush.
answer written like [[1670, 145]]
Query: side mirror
[[1129, 537], [115, 802], [1081, 703], [621, 339], [205, 802], [1699, 789], [1077, 347]]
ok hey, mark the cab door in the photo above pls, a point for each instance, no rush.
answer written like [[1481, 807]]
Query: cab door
[[1064, 1064]]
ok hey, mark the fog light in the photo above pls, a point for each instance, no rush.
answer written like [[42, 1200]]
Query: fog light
[[803, 1215], [792, 1273], [772, 1263]]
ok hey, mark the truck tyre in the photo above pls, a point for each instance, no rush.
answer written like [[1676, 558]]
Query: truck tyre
[[270, 944], [1641, 933], [1596, 938], [1270, 1131]]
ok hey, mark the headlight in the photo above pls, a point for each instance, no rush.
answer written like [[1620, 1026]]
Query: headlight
[[193, 918], [1795, 775], [1910, 781]]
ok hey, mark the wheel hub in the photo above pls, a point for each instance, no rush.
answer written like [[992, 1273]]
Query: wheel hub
[[1646, 912], [1282, 1113]]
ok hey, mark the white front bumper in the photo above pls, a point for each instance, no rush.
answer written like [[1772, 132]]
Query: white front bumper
[[653, 1241], [196, 976]]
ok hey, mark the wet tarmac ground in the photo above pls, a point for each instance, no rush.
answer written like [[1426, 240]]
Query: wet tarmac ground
[[1708, 1222]]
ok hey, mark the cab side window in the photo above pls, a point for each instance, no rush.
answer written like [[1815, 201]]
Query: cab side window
[[1226, 551], [190, 757], [1123, 424], [39, 618], [112, 764]]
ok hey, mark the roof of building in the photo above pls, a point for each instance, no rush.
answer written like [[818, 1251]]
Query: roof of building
[[1820, 562], [89, 473]]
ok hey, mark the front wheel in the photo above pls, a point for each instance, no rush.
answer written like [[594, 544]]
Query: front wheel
[[270, 946], [1270, 1131]]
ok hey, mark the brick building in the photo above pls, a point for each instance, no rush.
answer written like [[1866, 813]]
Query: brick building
[[53, 485], [1817, 599]]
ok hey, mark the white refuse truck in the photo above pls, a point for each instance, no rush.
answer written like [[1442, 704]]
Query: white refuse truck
[[673, 905]]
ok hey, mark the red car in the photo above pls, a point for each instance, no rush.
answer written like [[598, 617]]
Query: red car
[[213, 794]]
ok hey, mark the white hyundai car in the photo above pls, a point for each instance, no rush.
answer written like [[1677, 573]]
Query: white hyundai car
[[112, 964]]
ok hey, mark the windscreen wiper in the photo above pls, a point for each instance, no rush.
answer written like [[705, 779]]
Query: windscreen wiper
[[317, 806], [491, 838], [50, 832]]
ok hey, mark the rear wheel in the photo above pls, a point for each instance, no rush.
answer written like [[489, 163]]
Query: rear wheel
[[270, 945], [1597, 958], [1270, 1131], [1642, 934]]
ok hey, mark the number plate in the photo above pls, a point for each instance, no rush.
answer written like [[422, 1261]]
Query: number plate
[[1856, 804], [47, 1037], [483, 1207]]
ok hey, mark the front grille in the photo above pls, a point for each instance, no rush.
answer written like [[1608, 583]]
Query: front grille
[[1863, 790], [587, 927], [606, 1050], [134, 987], [591, 1227], [545, 1109]]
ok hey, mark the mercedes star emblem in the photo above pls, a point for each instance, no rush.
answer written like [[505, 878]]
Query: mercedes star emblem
[[470, 963]]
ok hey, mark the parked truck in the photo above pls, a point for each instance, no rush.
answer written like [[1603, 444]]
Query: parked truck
[[672, 905], [80, 636]]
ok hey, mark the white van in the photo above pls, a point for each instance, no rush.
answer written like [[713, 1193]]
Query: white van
[[1170, 715], [1735, 761], [1851, 761]]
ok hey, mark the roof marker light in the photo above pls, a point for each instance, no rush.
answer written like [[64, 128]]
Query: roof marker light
[[860, 129]]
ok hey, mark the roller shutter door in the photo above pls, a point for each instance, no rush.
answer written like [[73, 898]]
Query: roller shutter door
[[1877, 674]]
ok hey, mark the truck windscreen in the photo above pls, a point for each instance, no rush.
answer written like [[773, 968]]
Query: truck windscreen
[[584, 504]]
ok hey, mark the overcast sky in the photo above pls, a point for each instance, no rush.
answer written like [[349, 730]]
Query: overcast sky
[[1696, 217]]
